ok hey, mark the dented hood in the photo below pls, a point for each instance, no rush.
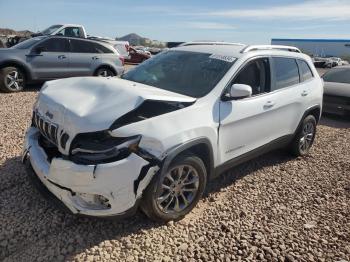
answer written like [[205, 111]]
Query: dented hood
[[86, 104]]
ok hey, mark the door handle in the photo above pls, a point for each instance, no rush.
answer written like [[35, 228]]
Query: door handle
[[61, 57], [304, 93], [269, 104], [94, 57]]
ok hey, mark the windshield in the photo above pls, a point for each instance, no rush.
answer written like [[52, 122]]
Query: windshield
[[27, 43], [51, 29], [338, 75], [188, 73]]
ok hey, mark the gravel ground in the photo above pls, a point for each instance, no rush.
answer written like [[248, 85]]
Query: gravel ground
[[274, 208]]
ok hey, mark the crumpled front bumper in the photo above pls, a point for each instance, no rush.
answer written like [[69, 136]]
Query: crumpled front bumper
[[102, 190]]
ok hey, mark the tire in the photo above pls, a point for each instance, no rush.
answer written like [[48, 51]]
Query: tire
[[159, 204], [12, 79], [105, 72], [304, 137]]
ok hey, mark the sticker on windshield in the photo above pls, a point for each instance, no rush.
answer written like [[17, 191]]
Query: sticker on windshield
[[225, 58]]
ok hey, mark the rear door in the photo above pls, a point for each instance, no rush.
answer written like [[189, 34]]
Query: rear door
[[290, 92], [53, 61], [83, 57]]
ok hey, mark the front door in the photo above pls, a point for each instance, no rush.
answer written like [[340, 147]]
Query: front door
[[52, 61], [270, 114]]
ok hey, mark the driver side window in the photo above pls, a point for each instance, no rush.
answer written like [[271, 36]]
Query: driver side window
[[256, 74]]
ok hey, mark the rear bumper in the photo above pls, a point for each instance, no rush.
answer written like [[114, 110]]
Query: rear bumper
[[103, 190]]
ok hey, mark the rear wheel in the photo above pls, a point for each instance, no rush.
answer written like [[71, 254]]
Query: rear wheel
[[177, 191], [305, 136], [105, 72], [12, 79]]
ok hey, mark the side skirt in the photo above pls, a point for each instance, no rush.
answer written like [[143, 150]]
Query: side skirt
[[275, 144]]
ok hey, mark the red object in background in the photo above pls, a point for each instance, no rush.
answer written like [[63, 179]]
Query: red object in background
[[136, 57]]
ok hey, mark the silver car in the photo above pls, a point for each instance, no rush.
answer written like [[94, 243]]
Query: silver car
[[51, 57], [336, 98]]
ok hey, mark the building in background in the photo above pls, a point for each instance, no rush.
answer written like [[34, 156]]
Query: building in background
[[319, 47]]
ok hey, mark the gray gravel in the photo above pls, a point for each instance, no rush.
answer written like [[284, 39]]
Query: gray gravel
[[274, 208]]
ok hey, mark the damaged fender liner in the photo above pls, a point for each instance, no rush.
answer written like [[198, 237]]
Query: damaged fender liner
[[148, 109]]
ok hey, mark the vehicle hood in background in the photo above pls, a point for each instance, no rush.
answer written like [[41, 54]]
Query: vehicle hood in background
[[87, 104]]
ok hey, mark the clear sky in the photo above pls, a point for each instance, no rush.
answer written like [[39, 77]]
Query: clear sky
[[252, 22]]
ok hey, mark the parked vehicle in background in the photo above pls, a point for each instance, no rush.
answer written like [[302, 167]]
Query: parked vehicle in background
[[153, 138], [121, 46], [136, 56], [142, 49], [50, 57], [332, 62], [319, 61], [336, 98], [70, 30]]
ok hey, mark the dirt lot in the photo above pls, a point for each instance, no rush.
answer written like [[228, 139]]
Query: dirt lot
[[274, 208]]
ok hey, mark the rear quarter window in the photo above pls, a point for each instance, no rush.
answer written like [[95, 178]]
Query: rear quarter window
[[285, 72], [102, 49]]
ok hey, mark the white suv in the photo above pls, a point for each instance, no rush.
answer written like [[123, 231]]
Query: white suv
[[152, 139]]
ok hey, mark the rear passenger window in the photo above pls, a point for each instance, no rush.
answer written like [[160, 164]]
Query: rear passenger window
[[305, 71], [286, 72], [102, 49], [80, 46], [256, 74]]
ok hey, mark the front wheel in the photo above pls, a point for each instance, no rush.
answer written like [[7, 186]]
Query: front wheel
[[304, 137], [12, 79], [175, 193]]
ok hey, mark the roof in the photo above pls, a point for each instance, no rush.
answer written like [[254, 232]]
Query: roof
[[238, 50], [226, 50]]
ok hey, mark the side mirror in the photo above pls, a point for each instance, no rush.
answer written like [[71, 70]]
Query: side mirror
[[238, 91], [39, 49]]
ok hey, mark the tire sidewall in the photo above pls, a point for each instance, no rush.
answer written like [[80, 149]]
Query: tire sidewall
[[103, 69], [193, 161], [308, 119], [4, 72]]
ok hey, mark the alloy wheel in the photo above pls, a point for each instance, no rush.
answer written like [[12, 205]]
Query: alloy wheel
[[178, 189], [307, 137], [14, 80], [105, 73]]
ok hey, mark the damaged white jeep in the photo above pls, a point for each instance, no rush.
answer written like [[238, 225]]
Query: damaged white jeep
[[152, 139]]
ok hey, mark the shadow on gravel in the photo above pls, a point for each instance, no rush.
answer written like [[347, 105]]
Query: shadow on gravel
[[335, 121], [234, 174], [28, 220]]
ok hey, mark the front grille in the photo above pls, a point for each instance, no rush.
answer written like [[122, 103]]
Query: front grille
[[47, 129]]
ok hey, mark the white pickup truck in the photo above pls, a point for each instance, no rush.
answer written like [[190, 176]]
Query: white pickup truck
[[72, 30]]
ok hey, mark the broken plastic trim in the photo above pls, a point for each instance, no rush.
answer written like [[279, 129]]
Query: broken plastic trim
[[148, 109], [100, 147]]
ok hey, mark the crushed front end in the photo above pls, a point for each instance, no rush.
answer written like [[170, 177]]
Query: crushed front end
[[101, 176]]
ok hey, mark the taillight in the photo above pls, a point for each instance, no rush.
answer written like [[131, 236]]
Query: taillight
[[121, 59]]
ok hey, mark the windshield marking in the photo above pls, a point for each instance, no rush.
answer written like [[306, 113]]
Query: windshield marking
[[225, 58]]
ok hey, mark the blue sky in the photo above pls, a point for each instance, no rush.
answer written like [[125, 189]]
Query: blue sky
[[243, 21]]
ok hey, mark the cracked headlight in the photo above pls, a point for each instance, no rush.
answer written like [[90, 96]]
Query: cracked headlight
[[101, 147]]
